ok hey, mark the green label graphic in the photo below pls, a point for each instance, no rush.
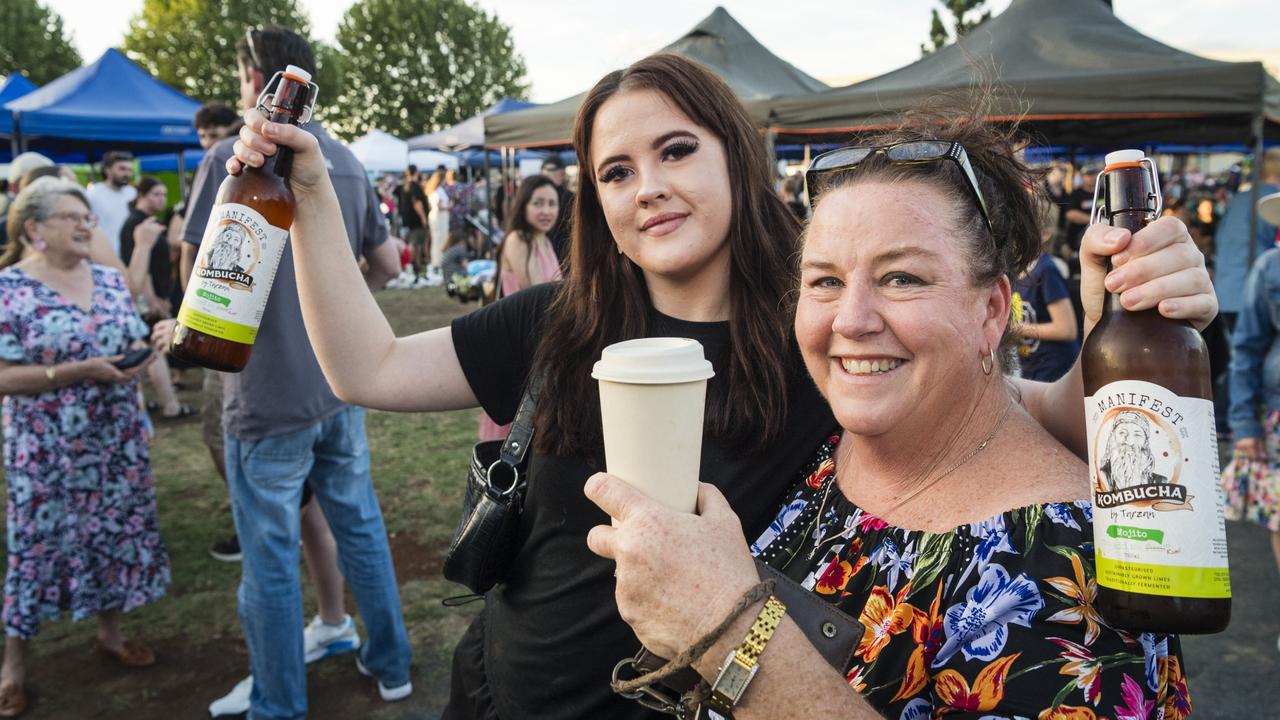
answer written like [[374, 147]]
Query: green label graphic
[[214, 297], [1125, 532]]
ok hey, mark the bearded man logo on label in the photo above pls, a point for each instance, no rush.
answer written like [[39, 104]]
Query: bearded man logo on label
[[227, 249], [1127, 460]]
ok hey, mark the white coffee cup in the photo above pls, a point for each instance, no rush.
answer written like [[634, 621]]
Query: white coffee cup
[[652, 395]]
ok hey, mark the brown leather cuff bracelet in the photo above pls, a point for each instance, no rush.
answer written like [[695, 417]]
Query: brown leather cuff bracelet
[[833, 633]]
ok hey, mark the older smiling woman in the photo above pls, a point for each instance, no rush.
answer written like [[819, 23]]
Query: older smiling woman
[[943, 518]]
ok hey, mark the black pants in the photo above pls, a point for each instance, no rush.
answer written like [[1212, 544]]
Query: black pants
[[469, 697]]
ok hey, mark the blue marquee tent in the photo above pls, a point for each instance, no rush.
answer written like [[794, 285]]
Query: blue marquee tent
[[13, 87], [112, 103]]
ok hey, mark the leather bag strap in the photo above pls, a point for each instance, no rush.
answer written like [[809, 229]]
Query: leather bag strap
[[518, 440]]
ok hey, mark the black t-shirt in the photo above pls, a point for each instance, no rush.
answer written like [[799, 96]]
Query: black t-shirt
[[159, 264], [405, 195], [552, 630]]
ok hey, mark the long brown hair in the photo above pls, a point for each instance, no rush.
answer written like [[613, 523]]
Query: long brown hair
[[604, 298]]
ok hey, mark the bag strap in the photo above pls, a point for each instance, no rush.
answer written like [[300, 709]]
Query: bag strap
[[521, 435]]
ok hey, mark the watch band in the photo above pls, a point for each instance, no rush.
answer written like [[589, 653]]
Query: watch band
[[741, 665]]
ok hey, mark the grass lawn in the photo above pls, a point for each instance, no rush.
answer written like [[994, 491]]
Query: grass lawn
[[419, 464]]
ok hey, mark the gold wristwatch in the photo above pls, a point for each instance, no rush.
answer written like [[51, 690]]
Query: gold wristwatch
[[743, 663]]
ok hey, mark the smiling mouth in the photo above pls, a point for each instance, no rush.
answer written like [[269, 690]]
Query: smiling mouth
[[870, 367], [663, 219]]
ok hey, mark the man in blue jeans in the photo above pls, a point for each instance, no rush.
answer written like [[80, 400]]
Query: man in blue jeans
[[283, 427]]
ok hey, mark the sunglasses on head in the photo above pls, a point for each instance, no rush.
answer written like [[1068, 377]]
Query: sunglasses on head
[[904, 153], [253, 48]]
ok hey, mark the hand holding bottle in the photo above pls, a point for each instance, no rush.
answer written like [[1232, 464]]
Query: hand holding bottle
[[1157, 266], [260, 138]]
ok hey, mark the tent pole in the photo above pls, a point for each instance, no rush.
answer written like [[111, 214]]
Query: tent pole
[[182, 174], [488, 198], [1256, 187], [16, 142]]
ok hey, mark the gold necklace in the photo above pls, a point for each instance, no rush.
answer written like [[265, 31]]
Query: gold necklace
[[824, 539]]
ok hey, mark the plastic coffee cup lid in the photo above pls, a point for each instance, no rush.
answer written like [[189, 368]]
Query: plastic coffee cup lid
[[1123, 156], [653, 361]]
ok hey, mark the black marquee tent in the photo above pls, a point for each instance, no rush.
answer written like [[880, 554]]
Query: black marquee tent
[[1080, 75], [718, 42]]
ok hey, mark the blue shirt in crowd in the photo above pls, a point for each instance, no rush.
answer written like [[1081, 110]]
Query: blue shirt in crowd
[[1255, 354], [1045, 360], [1231, 248]]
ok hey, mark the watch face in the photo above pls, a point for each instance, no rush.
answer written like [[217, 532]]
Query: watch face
[[733, 681]]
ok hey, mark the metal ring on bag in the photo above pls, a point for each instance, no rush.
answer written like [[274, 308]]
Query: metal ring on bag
[[515, 477], [649, 696]]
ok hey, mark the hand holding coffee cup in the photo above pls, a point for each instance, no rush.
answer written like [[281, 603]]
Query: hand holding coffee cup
[[652, 396]]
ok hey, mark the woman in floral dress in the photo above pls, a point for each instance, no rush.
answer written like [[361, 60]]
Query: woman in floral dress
[[941, 516], [81, 522]]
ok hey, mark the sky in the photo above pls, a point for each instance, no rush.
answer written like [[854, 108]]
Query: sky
[[569, 44]]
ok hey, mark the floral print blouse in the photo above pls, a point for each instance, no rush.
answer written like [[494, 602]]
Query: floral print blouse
[[991, 620]]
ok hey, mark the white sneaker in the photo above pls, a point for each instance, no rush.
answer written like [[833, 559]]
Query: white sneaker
[[321, 641], [429, 281], [388, 694], [235, 702]]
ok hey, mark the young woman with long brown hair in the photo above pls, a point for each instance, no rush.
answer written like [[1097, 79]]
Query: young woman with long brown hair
[[676, 232]]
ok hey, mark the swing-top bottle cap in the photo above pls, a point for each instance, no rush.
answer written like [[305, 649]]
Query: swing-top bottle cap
[[296, 73], [1124, 156]]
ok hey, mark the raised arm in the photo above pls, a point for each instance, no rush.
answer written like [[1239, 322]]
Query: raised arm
[[1159, 266], [363, 360]]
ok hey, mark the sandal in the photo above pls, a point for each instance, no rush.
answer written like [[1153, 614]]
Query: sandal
[[13, 701], [132, 654], [184, 411]]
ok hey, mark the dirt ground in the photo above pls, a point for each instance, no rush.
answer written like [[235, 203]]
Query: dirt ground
[[77, 683]]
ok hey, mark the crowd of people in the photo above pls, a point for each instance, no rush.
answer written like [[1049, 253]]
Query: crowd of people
[[936, 298]]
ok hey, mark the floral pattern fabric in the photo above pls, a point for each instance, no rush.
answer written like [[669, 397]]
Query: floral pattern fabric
[[81, 520], [993, 619], [1252, 487]]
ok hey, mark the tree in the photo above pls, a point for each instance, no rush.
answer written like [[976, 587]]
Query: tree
[[34, 42], [191, 44], [960, 23], [418, 65]]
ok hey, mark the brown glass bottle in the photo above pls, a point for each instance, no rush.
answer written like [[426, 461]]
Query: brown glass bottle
[[1160, 542], [242, 247]]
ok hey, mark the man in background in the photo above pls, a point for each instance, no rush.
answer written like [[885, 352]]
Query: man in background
[[110, 199], [284, 430]]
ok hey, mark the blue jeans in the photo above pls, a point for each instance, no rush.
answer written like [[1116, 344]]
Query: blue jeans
[[265, 478]]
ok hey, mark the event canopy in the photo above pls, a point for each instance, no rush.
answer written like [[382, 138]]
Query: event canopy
[[718, 42], [13, 87], [381, 152], [109, 104], [468, 133], [1081, 75]]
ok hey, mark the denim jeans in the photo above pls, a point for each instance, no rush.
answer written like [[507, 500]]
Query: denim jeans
[[265, 478]]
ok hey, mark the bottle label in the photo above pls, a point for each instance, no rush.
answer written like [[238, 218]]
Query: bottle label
[[233, 274], [1158, 523]]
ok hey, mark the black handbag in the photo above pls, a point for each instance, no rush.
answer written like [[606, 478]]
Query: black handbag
[[484, 542]]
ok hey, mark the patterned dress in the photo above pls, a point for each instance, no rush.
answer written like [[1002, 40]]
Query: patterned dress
[[81, 518], [992, 620]]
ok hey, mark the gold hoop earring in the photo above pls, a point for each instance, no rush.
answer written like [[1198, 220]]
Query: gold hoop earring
[[989, 365]]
